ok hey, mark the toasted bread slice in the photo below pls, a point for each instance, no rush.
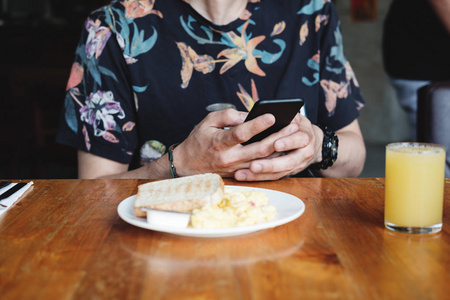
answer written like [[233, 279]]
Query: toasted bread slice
[[180, 194]]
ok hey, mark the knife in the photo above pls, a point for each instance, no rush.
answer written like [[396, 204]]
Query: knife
[[12, 190]]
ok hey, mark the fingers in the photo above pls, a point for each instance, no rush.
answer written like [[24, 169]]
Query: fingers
[[247, 130], [298, 140], [292, 161], [271, 169], [303, 138], [222, 150], [275, 167]]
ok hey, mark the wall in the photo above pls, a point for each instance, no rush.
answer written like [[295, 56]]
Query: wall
[[382, 120]]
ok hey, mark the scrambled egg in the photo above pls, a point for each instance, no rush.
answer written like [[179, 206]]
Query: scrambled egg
[[237, 208]]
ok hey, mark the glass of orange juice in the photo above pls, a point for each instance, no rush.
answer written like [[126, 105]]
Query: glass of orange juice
[[414, 187]]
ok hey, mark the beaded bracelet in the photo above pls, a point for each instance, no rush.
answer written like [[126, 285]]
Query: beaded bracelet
[[173, 171]]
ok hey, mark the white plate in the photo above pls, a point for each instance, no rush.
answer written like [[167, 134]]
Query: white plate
[[288, 208]]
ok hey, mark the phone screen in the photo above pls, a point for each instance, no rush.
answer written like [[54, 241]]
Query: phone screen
[[284, 110]]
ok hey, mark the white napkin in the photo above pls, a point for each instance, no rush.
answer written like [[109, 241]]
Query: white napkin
[[14, 197]]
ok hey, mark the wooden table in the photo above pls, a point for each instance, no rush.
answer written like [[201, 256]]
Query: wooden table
[[65, 240]]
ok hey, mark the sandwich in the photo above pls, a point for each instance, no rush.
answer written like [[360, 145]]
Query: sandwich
[[182, 194]]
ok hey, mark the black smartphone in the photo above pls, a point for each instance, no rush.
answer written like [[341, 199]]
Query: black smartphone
[[284, 110]]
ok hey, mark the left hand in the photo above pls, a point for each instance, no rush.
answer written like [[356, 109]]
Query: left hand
[[302, 148]]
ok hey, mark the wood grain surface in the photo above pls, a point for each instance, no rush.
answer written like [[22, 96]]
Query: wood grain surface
[[64, 240]]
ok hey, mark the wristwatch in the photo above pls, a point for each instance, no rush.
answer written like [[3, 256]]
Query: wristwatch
[[329, 149]]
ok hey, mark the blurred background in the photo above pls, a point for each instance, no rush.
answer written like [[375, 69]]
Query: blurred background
[[38, 40]]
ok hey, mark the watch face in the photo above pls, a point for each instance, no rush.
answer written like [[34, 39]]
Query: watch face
[[334, 148], [333, 153]]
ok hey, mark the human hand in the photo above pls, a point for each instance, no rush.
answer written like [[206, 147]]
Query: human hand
[[211, 148], [301, 148]]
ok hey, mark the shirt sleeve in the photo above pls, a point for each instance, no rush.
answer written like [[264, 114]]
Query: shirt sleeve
[[341, 94], [99, 110]]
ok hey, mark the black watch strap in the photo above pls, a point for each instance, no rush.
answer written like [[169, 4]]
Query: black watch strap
[[329, 149]]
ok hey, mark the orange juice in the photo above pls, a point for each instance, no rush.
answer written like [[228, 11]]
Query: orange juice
[[414, 186]]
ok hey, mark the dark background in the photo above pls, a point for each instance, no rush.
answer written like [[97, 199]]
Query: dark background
[[37, 46]]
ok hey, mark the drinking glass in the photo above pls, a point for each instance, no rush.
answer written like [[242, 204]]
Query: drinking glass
[[219, 106], [414, 187]]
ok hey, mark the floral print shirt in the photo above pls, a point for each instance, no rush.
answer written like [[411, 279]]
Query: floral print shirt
[[145, 71]]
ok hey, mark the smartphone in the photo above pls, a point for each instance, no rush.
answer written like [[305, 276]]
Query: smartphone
[[284, 111]]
